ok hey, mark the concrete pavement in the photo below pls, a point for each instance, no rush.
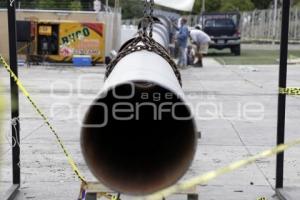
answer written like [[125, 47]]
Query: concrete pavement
[[236, 109]]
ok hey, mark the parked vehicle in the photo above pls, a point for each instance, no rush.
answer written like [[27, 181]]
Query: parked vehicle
[[223, 28]]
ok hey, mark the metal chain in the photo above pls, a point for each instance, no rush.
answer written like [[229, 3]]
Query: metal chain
[[151, 17], [147, 21], [140, 43], [144, 24], [144, 41]]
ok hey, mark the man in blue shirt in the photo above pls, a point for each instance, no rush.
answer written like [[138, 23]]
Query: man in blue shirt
[[182, 40]]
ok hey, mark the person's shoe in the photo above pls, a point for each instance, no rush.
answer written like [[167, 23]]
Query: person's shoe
[[198, 65]]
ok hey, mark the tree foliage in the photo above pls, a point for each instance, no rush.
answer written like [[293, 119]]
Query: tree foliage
[[231, 5], [75, 5], [296, 3], [262, 4], [237, 5], [132, 8], [210, 5], [49, 4]]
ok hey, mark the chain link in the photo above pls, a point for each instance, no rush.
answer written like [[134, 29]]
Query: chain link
[[144, 41], [151, 16], [147, 21], [140, 43], [144, 24]]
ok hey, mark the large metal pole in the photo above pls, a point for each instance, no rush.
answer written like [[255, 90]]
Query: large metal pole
[[282, 97], [11, 8]]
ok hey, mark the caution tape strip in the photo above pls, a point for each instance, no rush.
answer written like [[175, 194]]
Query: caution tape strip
[[22, 48], [198, 180], [293, 91], [39, 111], [202, 179]]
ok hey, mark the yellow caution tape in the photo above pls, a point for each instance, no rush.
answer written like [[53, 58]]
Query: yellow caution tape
[[262, 198], [202, 179], [185, 185], [290, 91], [22, 48], [39, 111]]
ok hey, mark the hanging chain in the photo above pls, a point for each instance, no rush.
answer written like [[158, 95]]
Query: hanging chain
[[144, 24], [151, 17], [147, 20], [144, 41]]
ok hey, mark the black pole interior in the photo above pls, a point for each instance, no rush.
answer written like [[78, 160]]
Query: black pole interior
[[14, 92], [282, 97]]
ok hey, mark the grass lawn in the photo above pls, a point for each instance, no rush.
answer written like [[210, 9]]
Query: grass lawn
[[250, 57]]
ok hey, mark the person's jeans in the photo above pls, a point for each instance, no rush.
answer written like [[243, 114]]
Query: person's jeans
[[182, 62]]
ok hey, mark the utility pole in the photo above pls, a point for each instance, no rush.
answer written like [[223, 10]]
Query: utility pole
[[203, 6], [117, 3], [275, 20]]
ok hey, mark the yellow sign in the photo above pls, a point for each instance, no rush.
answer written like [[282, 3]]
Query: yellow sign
[[81, 39], [45, 30]]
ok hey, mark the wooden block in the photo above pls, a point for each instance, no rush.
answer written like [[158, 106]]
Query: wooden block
[[192, 190], [91, 196], [192, 197], [93, 187]]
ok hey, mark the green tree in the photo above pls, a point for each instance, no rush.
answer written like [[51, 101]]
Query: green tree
[[45, 4], [237, 5], [75, 5], [132, 9], [197, 6], [58, 4], [210, 6], [296, 3], [262, 4]]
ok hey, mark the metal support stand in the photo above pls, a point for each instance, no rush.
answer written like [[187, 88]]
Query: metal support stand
[[11, 13], [282, 97], [283, 193], [95, 191]]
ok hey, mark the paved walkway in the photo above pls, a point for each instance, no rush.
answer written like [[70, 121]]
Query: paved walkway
[[236, 110]]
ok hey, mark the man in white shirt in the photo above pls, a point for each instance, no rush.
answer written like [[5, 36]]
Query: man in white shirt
[[200, 41]]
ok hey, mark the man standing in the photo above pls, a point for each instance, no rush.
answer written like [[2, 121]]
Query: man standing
[[201, 41], [182, 39]]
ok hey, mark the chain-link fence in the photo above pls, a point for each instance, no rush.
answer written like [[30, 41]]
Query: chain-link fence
[[258, 25], [265, 25]]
